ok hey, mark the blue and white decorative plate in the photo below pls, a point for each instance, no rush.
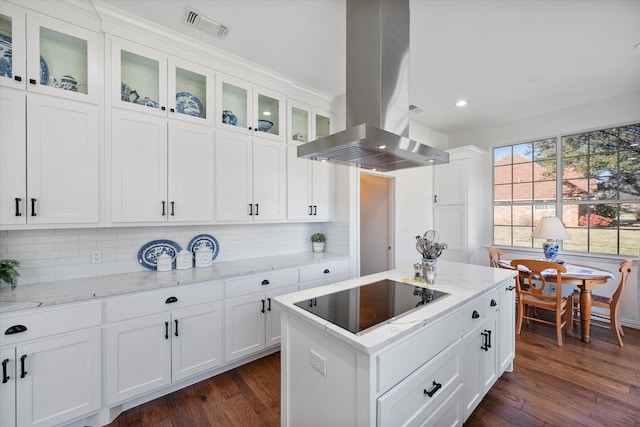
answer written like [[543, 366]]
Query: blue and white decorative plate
[[188, 104], [6, 63], [206, 240], [149, 252], [44, 72]]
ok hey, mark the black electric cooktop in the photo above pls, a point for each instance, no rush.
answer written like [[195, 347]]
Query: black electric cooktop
[[361, 309]]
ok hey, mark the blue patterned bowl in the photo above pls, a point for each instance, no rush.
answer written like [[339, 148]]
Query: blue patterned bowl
[[264, 125], [229, 118]]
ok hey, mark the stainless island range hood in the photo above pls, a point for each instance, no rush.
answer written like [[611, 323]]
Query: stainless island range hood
[[377, 97]]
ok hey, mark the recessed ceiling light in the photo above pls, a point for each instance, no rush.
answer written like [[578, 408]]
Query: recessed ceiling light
[[266, 113], [461, 103], [382, 147]]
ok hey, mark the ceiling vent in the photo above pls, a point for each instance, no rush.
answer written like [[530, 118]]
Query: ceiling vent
[[193, 18], [415, 109]]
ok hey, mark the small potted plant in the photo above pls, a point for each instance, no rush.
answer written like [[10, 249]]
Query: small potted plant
[[9, 271], [317, 241]]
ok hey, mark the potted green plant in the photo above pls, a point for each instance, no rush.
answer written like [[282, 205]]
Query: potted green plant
[[317, 242], [9, 271]]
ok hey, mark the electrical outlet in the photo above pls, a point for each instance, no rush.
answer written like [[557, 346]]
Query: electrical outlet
[[236, 244], [96, 256], [318, 362]]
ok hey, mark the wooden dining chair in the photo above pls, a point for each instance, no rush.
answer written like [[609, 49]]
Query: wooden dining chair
[[530, 285], [609, 303], [495, 255]]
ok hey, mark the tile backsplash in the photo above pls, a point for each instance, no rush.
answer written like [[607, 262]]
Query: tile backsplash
[[49, 255]]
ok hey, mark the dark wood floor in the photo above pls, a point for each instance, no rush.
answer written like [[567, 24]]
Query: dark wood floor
[[579, 384]]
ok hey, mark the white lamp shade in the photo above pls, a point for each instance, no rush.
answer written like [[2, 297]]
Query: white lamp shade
[[550, 227]]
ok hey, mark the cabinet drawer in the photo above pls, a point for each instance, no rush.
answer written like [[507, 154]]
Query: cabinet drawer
[[324, 270], [411, 353], [44, 322], [260, 282], [474, 313], [422, 392], [152, 302]]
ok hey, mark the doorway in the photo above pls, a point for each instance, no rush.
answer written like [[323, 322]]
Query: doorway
[[375, 223]]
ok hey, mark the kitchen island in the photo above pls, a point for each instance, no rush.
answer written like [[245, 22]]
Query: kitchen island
[[427, 366]]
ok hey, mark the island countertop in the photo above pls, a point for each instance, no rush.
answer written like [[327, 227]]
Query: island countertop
[[463, 282], [65, 291]]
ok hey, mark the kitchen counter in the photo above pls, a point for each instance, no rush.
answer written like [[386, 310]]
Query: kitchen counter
[[462, 281], [66, 291]]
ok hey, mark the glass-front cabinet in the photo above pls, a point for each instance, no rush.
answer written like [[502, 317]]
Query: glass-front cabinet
[[307, 123], [242, 107], [151, 82], [52, 58]]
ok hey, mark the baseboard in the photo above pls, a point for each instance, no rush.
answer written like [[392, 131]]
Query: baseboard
[[629, 323]]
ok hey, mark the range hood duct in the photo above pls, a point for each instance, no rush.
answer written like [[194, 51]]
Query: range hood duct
[[377, 98]]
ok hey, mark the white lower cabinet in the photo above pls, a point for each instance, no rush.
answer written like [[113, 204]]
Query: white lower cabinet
[[147, 352], [252, 321], [49, 377], [506, 337], [323, 273]]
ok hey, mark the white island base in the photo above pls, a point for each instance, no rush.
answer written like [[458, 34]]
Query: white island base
[[430, 367]]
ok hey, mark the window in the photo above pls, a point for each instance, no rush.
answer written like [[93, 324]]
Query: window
[[597, 196]]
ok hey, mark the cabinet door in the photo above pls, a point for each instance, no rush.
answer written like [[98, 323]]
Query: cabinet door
[[322, 124], [190, 92], [8, 387], [234, 107], [233, 176], [12, 28], [490, 355], [63, 59], [139, 167], [299, 123], [506, 328], [324, 179], [62, 379], [191, 189], [273, 315], [244, 320], [139, 357], [62, 161], [449, 183], [299, 203], [269, 114], [197, 339], [269, 180], [451, 223], [13, 160], [471, 370]]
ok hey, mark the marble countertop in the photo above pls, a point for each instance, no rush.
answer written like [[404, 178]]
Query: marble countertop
[[463, 282], [66, 291]]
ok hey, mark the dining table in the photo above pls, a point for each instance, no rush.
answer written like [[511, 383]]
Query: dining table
[[586, 278]]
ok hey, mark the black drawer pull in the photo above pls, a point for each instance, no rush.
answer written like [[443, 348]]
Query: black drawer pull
[[265, 282], [176, 333], [18, 200], [326, 271], [5, 377], [510, 288], [166, 330], [17, 78], [475, 314], [171, 300], [15, 329], [436, 387], [32, 81], [493, 303], [23, 373]]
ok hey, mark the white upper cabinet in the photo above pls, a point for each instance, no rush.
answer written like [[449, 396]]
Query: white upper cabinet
[[49, 56], [252, 110], [306, 123], [310, 188], [149, 81]]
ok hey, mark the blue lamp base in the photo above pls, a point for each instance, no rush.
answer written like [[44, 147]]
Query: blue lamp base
[[550, 250]]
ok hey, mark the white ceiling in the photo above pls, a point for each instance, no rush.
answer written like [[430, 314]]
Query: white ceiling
[[512, 59]]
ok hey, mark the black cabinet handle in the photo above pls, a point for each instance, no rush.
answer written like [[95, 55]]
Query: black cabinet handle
[[435, 198], [23, 372], [176, 333], [475, 314], [250, 208], [488, 338], [326, 271], [171, 300], [315, 210], [310, 210], [33, 81], [250, 128], [257, 209], [436, 387], [269, 307], [265, 282], [17, 78], [263, 301], [18, 200], [15, 329], [493, 303], [172, 110], [163, 203], [5, 377], [163, 108], [486, 335], [311, 303], [166, 330], [33, 207], [172, 208], [510, 288]]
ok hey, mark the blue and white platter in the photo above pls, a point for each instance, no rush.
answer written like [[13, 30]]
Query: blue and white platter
[[6, 61], [149, 252], [188, 104], [206, 240], [44, 72]]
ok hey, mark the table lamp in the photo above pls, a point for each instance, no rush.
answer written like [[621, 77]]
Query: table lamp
[[550, 228]]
